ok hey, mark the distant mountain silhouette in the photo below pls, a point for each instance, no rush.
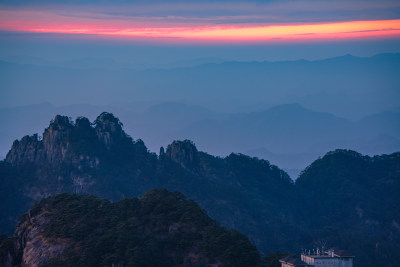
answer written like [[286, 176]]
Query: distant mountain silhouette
[[293, 129], [347, 86], [266, 134]]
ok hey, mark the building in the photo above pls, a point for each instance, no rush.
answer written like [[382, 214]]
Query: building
[[292, 262], [330, 258]]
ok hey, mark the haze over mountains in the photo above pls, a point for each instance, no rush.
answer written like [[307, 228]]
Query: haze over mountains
[[290, 136], [346, 86], [288, 112]]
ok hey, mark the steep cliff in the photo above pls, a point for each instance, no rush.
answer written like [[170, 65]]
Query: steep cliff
[[68, 141], [184, 153], [109, 130]]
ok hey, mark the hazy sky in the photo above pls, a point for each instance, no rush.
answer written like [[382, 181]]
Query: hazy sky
[[167, 31], [167, 34]]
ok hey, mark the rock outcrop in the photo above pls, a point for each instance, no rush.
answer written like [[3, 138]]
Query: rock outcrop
[[29, 247], [56, 140], [163, 229], [28, 149], [34, 249], [109, 129], [53, 148], [184, 153], [65, 141], [69, 154]]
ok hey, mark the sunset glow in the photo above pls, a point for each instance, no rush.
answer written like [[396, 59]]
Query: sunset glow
[[47, 22]]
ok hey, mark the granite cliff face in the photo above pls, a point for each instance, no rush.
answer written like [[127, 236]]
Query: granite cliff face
[[28, 149], [60, 138], [109, 130], [29, 247], [33, 248], [53, 148], [184, 153], [69, 154]]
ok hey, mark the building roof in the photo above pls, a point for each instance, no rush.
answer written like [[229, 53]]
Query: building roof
[[337, 252], [342, 253], [292, 261], [317, 256]]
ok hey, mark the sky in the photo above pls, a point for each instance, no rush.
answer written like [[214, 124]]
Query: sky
[[205, 22], [170, 34], [231, 30]]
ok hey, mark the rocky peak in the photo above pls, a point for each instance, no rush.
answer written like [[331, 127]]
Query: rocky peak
[[162, 152], [61, 123], [53, 148], [82, 123], [108, 129], [28, 149], [56, 139], [64, 140], [183, 152]]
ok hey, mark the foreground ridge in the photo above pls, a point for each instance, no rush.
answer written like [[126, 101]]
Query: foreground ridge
[[161, 228]]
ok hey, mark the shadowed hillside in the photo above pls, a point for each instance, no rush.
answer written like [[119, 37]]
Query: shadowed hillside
[[344, 199], [159, 229]]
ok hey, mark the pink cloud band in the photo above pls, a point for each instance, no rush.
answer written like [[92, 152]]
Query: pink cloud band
[[156, 29]]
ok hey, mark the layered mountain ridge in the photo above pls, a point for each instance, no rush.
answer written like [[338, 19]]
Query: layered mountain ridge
[[338, 199]]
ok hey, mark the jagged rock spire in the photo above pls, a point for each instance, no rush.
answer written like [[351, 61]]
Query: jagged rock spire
[[183, 152], [61, 137], [108, 129], [53, 148]]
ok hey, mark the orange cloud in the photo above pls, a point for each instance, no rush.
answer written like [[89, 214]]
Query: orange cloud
[[45, 22]]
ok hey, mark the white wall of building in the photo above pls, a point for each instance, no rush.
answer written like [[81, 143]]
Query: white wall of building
[[327, 261]]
